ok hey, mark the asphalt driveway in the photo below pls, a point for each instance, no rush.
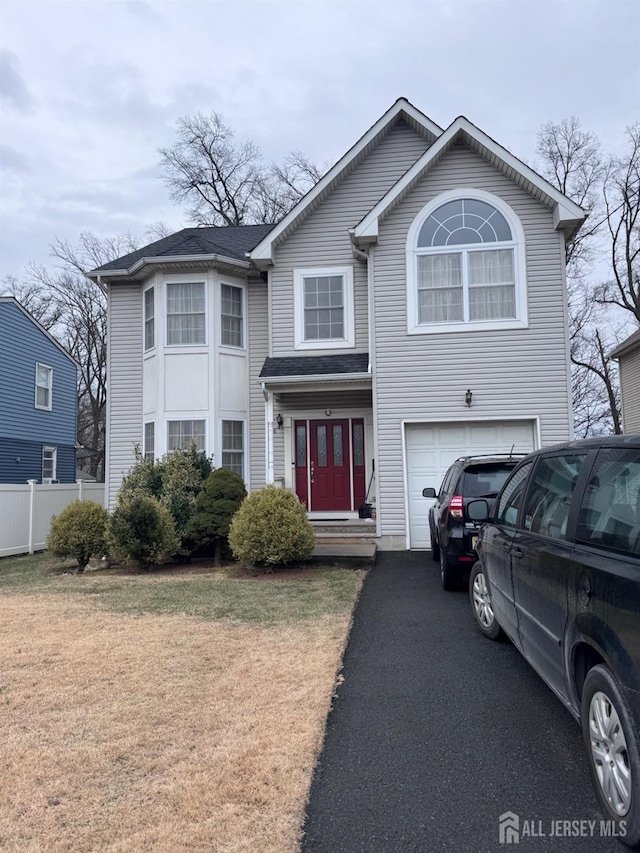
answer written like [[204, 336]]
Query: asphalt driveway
[[436, 732]]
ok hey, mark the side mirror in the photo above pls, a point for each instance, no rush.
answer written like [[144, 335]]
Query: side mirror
[[429, 493], [478, 510]]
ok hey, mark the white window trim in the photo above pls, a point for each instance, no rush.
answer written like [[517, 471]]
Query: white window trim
[[144, 319], [243, 290], [349, 340], [54, 451], [244, 442], [185, 280], [519, 267], [50, 387]]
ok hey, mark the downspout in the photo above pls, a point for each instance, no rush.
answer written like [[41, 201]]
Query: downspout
[[368, 257], [268, 438]]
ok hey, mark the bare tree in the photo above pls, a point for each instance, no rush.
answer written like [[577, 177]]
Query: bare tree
[[223, 182], [621, 191], [73, 309], [573, 161]]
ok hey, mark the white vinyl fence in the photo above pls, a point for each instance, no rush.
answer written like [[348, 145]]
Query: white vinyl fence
[[26, 511]]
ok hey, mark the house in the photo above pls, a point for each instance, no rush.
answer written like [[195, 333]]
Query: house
[[38, 401], [409, 309], [628, 357]]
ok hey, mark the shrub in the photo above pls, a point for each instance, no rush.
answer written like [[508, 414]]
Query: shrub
[[271, 528], [222, 494], [175, 480], [79, 532], [141, 530]]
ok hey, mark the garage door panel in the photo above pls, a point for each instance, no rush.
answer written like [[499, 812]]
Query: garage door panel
[[431, 448]]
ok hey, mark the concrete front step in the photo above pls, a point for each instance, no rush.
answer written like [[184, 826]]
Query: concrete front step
[[344, 528], [355, 555]]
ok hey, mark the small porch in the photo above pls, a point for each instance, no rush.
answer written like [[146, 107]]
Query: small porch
[[320, 440]]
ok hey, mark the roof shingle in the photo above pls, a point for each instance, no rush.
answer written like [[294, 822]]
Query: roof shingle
[[315, 365]]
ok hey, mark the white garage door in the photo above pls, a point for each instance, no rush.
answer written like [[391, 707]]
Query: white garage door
[[431, 448]]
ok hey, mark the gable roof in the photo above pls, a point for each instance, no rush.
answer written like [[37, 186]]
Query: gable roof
[[627, 346], [401, 110], [231, 242], [11, 300], [568, 216]]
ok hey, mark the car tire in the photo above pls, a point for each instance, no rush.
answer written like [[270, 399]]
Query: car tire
[[481, 604], [612, 744], [449, 576]]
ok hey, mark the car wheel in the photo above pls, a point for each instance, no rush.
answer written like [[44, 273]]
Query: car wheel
[[481, 604], [450, 577], [613, 752]]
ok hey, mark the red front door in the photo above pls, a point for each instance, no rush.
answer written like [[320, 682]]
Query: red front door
[[330, 465], [323, 462]]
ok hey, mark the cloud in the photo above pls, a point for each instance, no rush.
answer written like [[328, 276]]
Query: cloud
[[13, 88], [12, 161]]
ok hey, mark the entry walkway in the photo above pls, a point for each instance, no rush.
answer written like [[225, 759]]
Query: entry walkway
[[436, 732]]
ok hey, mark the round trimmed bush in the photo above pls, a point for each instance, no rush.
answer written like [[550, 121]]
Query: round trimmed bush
[[271, 528], [141, 529], [79, 532]]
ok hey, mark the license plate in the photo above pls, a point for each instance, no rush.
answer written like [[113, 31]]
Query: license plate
[[474, 542]]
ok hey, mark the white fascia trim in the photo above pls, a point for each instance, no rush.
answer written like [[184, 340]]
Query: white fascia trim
[[321, 377], [565, 213], [264, 250], [169, 259]]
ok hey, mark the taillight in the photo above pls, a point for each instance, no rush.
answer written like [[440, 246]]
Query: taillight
[[456, 506]]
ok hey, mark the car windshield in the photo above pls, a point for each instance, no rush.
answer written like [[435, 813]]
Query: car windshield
[[486, 480]]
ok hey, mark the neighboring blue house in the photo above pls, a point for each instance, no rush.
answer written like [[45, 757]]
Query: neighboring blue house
[[38, 401]]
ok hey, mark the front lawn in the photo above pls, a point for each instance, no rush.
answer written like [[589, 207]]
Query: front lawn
[[176, 710]]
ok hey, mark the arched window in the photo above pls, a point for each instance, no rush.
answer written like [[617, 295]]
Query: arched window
[[465, 258]]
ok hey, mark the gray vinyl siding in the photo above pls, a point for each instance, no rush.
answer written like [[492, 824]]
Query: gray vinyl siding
[[258, 352], [124, 416], [513, 374], [323, 239], [630, 390]]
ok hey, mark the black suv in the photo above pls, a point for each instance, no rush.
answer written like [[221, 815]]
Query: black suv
[[558, 571], [453, 533]]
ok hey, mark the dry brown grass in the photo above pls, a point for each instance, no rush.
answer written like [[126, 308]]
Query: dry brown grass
[[156, 732]]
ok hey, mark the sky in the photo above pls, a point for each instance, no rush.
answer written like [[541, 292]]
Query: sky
[[89, 91]]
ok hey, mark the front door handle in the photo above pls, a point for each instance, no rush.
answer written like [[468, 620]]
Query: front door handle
[[312, 471]]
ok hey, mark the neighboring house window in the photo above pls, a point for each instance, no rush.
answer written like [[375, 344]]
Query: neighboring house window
[[233, 446], [231, 311], [324, 316], [44, 386], [185, 314], [149, 318], [466, 258], [49, 464], [149, 441], [182, 433]]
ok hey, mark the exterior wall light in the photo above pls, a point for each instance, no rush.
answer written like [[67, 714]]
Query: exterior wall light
[[468, 397], [279, 420]]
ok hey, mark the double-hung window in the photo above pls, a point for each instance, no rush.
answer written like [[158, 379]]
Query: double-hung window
[[465, 267], [186, 314], [231, 316], [149, 441], [233, 446], [44, 387], [149, 318], [180, 434], [49, 464], [324, 308]]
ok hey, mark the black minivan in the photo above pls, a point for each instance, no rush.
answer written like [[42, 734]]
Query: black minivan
[[558, 571]]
